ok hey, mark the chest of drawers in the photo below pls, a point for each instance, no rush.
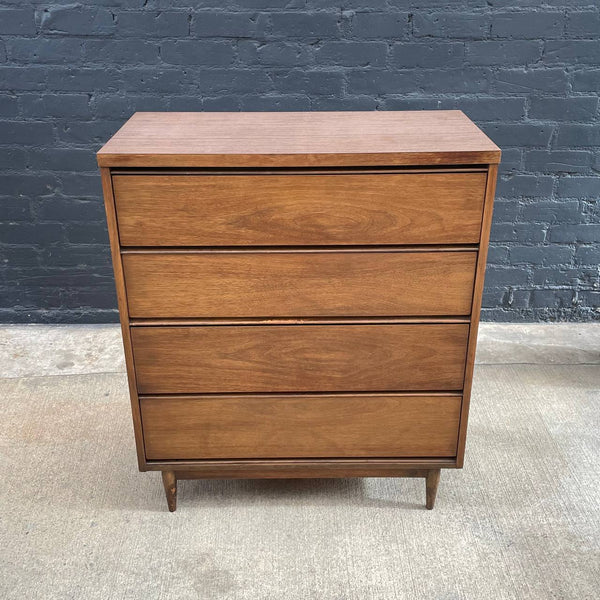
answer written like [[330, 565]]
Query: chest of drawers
[[299, 293]]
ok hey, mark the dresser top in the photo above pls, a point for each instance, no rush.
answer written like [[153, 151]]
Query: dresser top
[[298, 139]]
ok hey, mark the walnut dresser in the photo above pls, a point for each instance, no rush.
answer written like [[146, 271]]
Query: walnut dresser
[[299, 292]]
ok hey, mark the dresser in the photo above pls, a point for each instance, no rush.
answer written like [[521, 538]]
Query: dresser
[[299, 293]]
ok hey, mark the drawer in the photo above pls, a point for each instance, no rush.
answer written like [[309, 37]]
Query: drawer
[[196, 427], [298, 284], [299, 358], [299, 209]]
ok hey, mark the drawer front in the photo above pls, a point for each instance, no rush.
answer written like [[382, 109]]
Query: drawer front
[[299, 358], [301, 284], [300, 426], [286, 210]]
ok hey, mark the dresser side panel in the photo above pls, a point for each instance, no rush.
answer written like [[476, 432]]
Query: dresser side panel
[[113, 233], [476, 309]]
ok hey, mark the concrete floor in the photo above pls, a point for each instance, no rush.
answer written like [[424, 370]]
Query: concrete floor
[[520, 521]]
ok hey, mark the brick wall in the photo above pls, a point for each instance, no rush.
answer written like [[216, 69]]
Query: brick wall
[[527, 72]]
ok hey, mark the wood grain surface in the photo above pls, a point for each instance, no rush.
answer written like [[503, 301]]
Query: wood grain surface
[[255, 139], [300, 426], [239, 210], [113, 234], [299, 293], [248, 284], [476, 308], [303, 358], [266, 468]]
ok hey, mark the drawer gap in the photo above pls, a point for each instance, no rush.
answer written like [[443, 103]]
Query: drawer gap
[[190, 322], [295, 249], [232, 171], [298, 458], [390, 460], [293, 394], [440, 394]]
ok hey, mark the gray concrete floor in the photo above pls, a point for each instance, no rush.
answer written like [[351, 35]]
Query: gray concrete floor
[[520, 521]]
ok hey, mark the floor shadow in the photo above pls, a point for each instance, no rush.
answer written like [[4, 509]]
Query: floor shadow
[[308, 492]]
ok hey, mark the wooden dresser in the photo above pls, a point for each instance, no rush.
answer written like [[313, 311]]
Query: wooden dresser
[[299, 292]]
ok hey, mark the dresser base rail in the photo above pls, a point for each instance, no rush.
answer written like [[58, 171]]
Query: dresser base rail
[[314, 470]]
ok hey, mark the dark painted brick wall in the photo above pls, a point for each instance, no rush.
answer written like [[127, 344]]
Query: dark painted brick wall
[[527, 72]]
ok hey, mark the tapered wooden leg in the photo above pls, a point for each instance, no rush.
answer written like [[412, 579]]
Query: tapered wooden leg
[[431, 483], [170, 484]]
